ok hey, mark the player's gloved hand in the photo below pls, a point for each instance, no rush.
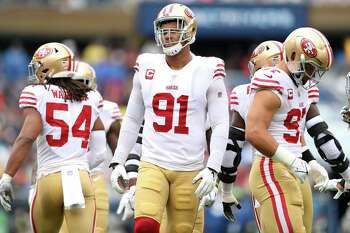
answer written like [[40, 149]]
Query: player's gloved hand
[[209, 199], [126, 204], [228, 203], [345, 114], [319, 175], [6, 193], [299, 167], [339, 185], [208, 180], [119, 179]]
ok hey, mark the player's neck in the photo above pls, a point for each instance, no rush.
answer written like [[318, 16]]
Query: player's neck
[[180, 60]]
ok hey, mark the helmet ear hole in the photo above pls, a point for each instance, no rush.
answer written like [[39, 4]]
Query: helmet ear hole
[[292, 57]]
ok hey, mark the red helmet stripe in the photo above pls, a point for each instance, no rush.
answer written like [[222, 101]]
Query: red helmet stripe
[[280, 47], [71, 58]]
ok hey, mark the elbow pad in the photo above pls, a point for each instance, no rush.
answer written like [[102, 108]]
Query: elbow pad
[[98, 148], [327, 145], [232, 157]]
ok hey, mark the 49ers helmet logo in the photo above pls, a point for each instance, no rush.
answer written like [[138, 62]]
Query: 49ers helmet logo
[[308, 47], [43, 52]]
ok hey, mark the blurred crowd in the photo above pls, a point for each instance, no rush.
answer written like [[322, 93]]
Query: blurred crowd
[[113, 63]]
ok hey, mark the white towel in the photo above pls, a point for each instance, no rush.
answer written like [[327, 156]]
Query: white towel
[[72, 192]]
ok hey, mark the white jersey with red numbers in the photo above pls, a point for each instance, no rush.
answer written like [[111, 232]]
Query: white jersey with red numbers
[[109, 114], [64, 139], [287, 123], [176, 109]]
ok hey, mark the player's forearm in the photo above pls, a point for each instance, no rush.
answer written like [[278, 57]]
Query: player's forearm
[[261, 140], [112, 135], [21, 150]]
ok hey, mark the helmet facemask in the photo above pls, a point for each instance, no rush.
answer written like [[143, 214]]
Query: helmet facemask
[[308, 74], [347, 86], [163, 36], [32, 69]]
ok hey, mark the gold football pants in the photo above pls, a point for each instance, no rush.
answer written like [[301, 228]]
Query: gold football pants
[[102, 205], [159, 189], [198, 225], [285, 202], [47, 208]]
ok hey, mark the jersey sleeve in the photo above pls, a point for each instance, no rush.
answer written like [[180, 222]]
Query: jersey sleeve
[[219, 68], [314, 95], [28, 98], [100, 102], [267, 79], [116, 114], [234, 102]]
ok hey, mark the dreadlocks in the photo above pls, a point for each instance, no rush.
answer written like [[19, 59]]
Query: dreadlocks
[[74, 90]]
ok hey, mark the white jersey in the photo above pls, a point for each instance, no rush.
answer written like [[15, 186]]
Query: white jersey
[[314, 95], [287, 123], [64, 139], [109, 114], [239, 102], [176, 109]]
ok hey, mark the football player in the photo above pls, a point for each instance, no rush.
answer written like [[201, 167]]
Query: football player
[[274, 126], [110, 117], [266, 54], [173, 92], [61, 114]]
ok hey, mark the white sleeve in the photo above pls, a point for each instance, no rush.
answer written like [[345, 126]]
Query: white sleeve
[[131, 123], [98, 148], [219, 122]]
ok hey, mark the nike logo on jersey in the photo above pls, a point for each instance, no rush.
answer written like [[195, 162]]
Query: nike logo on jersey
[[269, 76]]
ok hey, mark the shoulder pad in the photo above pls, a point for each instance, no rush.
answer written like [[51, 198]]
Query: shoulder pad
[[218, 68], [237, 94], [96, 98], [144, 58], [29, 96], [113, 109], [267, 78]]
